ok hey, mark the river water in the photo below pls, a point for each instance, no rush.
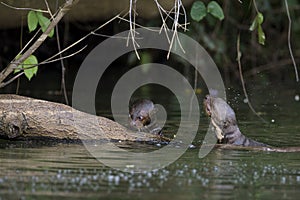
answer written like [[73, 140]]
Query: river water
[[48, 170]]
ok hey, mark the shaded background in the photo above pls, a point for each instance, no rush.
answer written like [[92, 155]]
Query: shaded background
[[267, 69], [68, 170]]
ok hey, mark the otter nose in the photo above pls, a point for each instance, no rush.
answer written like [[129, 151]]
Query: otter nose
[[132, 123]]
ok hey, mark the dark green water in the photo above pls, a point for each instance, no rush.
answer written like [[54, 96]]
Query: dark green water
[[68, 171]]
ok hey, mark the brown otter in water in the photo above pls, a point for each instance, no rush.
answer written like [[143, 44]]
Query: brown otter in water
[[223, 119], [142, 114]]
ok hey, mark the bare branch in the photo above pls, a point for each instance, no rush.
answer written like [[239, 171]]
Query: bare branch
[[137, 25], [255, 6], [48, 8], [17, 8], [54, 59], [29, 42], [63, 68], [239, 54], [51, 60], [80, 40], [178, 6], [12, 79], [110, 36], [132, 32], [289, 40]]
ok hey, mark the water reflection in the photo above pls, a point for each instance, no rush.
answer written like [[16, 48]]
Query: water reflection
[[67, 170], [58, 170]]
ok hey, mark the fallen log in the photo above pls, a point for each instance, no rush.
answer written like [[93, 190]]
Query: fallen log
[[28, 118]]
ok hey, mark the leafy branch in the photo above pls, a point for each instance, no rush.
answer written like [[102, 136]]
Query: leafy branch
[[257, 24], [199, 10], [19, 60]]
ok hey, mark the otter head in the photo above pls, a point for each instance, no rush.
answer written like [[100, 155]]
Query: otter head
[[221, 114], [141, 113]]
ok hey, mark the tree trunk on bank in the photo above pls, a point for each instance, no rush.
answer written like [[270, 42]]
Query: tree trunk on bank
[[28, 118]]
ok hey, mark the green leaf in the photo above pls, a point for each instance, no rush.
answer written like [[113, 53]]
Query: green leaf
[[257, 22], [253, 25], [28, 66], [51, 33], [29, 63], [215, 10], [32, 20], [44, 23], [261, 35], [260, 18], [198, 11]]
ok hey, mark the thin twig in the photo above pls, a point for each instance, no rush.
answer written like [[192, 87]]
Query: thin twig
[[255, 6], [81, 39], [239, 54], [49, 10], [51, 60], [185, 16], [63, 68], [18, 8], [289, 40], [175, 25], [164, 25], [21, 46], [111, 36], [12, 79], [29, 42], [137, 25], [132, 32]]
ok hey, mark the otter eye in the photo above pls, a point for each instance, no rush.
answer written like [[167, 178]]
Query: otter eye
[[140, 118]]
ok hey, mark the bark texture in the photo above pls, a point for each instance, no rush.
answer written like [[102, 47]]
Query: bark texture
[[28, 118]]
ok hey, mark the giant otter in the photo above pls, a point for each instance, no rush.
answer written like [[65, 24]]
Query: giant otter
[[224, 121], [142, 115]]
